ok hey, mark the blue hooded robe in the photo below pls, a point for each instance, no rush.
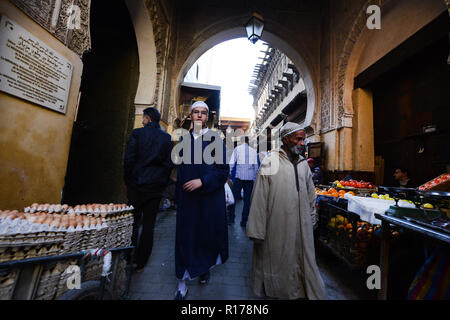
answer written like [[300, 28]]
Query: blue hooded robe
[[201, 223]]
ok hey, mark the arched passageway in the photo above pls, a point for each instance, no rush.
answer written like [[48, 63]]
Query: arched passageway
[[274, 41], [106, 111]]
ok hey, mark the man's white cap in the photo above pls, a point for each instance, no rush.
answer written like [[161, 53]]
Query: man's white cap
[[289, 128], [199, 104]]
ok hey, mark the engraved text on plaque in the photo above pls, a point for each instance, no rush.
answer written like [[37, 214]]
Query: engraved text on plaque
[[31, 70]]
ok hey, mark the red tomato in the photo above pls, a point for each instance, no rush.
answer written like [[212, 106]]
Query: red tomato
[[358, 185]]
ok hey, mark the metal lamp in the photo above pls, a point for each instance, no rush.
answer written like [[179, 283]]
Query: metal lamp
[[254, 27]]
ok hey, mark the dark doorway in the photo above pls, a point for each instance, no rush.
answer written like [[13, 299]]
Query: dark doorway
[[405, 100], [106, 112]]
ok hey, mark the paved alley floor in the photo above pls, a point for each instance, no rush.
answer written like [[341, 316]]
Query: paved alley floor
[[230, 281]]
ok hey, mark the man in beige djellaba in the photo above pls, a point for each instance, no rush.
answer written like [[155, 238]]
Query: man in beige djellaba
[[281, 222]]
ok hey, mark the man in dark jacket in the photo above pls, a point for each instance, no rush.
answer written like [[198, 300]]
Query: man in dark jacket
[[147, 169]]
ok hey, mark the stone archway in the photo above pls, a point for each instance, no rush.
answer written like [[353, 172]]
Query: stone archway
[[364, 47], [104, 118], [309, 78], [353, 109], [143, 28]]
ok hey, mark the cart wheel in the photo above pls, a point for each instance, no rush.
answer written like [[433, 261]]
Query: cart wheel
[[89, 291]]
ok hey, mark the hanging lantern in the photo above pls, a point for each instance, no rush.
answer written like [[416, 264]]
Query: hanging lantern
[[254, 28]]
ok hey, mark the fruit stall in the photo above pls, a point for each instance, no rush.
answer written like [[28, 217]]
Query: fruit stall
[[429, 220], [358, 221], [350, 235], [41, 245]]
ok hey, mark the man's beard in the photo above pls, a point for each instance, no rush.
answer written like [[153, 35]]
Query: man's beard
[[297, 150]]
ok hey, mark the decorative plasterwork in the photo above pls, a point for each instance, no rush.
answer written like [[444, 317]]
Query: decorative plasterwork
[[67, 20], [161, 27], [353, 36], [79, 39]]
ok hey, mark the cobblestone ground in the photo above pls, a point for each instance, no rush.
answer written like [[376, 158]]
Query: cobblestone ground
[[230, 281]]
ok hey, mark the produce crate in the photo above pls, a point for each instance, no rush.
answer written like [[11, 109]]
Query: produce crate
[[7, 283], [354, 241], [440, 183]]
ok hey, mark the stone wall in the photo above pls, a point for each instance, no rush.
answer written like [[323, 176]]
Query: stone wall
[[348, 47], [56, 17], [203, 24], [35, 141]]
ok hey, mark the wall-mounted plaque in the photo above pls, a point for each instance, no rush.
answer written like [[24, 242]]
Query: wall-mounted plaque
[[31, 70]]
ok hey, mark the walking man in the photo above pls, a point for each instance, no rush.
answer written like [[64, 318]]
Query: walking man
[[281, 221], [244, 165], [147, 167], [201, 225]]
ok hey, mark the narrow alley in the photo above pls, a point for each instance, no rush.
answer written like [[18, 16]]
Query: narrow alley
[[230, 281]]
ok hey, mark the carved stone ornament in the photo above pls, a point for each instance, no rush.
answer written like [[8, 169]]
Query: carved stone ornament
[[353, 36], [161, 27], [67, 20]]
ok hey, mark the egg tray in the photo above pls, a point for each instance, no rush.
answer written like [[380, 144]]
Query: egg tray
[[36, 242], [93, 269], [117, 234], [82, 240], [28, 252], [7, 284], [120, 286], [61, 286], [49, 281], [31, 239], [6, 292]]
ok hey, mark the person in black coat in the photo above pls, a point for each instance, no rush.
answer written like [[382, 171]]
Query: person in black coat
[[147, 167]]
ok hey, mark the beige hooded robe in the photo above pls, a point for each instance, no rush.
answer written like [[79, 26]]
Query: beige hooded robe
[[282, 214]]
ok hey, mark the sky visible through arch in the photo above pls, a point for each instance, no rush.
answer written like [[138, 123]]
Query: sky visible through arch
[[230, 65]]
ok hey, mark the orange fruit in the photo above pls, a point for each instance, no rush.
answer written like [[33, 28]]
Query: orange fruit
[[331, 190]]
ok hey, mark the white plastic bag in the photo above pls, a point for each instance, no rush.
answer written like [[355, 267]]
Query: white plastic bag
[[229, 199]]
